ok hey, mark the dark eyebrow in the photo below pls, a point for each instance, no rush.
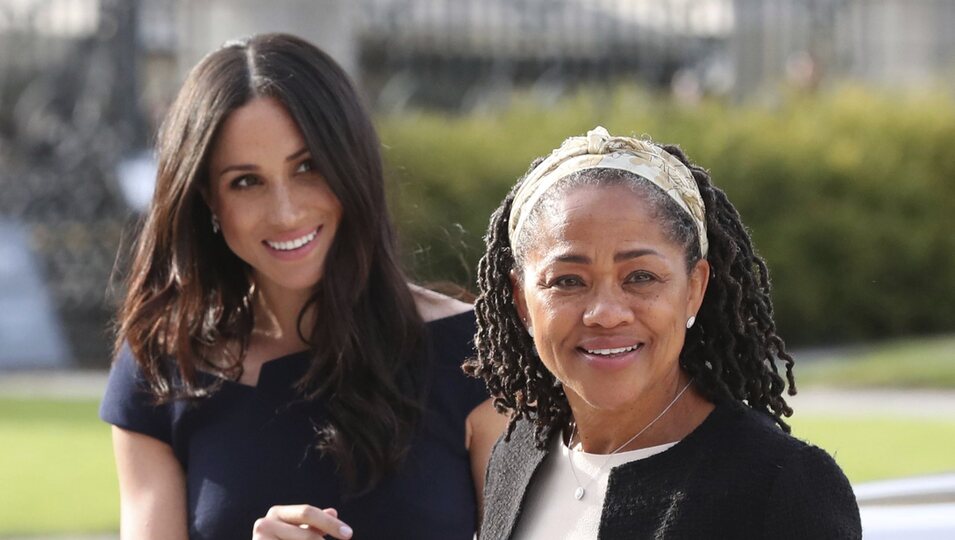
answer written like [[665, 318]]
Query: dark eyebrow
[[633, 254], [248, 168], [242, 168], [574, 258], [297, 154]]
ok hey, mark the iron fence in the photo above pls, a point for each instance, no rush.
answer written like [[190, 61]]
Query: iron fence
[[74, 104], [68, 113]]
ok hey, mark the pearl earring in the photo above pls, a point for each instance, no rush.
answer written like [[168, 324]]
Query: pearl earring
[[690, 321], [215, 224]]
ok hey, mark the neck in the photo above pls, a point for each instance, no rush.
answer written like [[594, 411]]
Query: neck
[[604, 432], [277, 312]]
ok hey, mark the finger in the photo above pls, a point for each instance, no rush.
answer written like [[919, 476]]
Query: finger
[[274, 529], [304, 514], [332, 512]]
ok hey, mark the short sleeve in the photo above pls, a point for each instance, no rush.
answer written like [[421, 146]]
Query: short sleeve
[[128, 403], [812, 498], [453, 340]]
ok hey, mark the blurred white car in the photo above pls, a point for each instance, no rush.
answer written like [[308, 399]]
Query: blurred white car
[[920, 508]]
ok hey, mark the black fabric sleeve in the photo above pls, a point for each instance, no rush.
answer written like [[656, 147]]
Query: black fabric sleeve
[[812, 498], [454, 343], [128, 403]]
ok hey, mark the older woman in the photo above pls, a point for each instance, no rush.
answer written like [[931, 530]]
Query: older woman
[[625, 323]]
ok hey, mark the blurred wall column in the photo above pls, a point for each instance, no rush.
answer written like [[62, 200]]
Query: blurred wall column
[[775, 37], [887, 43], [204, 25], [118, 27]]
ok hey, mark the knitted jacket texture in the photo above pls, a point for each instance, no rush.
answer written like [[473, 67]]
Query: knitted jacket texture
[[736, 476]]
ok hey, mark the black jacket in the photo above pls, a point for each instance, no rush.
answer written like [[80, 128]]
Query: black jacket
[[736, 476]]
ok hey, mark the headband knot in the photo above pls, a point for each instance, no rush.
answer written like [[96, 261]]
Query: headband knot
[[599, 150], [597, 140]]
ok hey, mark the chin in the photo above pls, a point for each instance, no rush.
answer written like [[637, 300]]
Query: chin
[[610, 396], [305, 283]]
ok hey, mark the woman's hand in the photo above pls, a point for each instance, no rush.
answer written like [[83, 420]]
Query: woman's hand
[[300, 522]]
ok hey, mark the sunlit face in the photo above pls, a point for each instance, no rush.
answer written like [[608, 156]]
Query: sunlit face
[[608, 296], [276, 211]]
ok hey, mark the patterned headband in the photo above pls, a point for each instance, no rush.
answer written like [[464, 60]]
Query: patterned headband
[[599, 150]]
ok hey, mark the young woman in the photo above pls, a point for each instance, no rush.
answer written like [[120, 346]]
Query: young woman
[[276, 375], [625, 321]]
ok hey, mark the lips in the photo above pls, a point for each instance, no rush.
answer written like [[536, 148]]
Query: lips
[[613, 351], [610, 353], [609, 345], [294, 243]]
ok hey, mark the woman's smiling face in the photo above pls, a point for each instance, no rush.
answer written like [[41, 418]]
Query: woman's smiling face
[[276, 211], [608, 295]]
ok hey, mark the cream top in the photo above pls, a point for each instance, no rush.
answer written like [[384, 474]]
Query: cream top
[[550, 510]]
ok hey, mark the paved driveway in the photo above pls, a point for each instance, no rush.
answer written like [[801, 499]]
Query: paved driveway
[[923, 403]]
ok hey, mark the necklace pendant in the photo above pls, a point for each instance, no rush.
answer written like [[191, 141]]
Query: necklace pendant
[[579, 493]]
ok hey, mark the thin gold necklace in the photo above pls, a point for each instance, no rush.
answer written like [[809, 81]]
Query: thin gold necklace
[[582, 489]]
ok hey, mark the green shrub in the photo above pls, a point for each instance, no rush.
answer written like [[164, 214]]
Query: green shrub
[[849, 196]]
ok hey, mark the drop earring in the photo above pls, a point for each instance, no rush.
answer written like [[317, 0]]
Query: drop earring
[[690, 321], [215, 224]]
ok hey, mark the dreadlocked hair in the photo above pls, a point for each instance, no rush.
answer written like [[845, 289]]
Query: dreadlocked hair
[[732, 352]]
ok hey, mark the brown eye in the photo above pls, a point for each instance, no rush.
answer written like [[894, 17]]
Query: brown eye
[[640, 277], [243, 181], [305, 166], [566, 282]]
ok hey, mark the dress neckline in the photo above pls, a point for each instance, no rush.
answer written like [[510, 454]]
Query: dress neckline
[[293, 364]]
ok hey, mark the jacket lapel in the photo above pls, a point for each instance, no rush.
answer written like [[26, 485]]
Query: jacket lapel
[[513, 464]]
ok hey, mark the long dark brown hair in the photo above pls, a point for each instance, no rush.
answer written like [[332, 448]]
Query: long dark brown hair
[[188, 294], [732, 352]]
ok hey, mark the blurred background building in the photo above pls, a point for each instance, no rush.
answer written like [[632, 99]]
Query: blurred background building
[[84, 83]]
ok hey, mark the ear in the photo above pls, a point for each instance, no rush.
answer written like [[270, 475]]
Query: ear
[[519, 300], [699, 278], [207, 197]]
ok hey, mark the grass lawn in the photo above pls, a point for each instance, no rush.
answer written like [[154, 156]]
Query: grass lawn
[[57, 471], [878, 447], [57, 475], [56, 468], [922, 363]]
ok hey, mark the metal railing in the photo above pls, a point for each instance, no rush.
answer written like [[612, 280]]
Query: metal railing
[[72, 107], [68, 113]]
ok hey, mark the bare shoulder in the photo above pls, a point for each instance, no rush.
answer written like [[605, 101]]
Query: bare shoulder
[[433, 305], [486, 422]]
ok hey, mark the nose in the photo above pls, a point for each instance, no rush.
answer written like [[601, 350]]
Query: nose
[[287, 210], [608, 308]]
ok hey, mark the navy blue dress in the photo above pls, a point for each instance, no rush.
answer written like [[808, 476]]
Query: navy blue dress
[[244, 449]]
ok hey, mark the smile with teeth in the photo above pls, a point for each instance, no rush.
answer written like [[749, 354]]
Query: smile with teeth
[[611, 352], [293, 244]]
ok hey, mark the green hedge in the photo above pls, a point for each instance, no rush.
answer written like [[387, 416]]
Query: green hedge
[[849, 196]]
